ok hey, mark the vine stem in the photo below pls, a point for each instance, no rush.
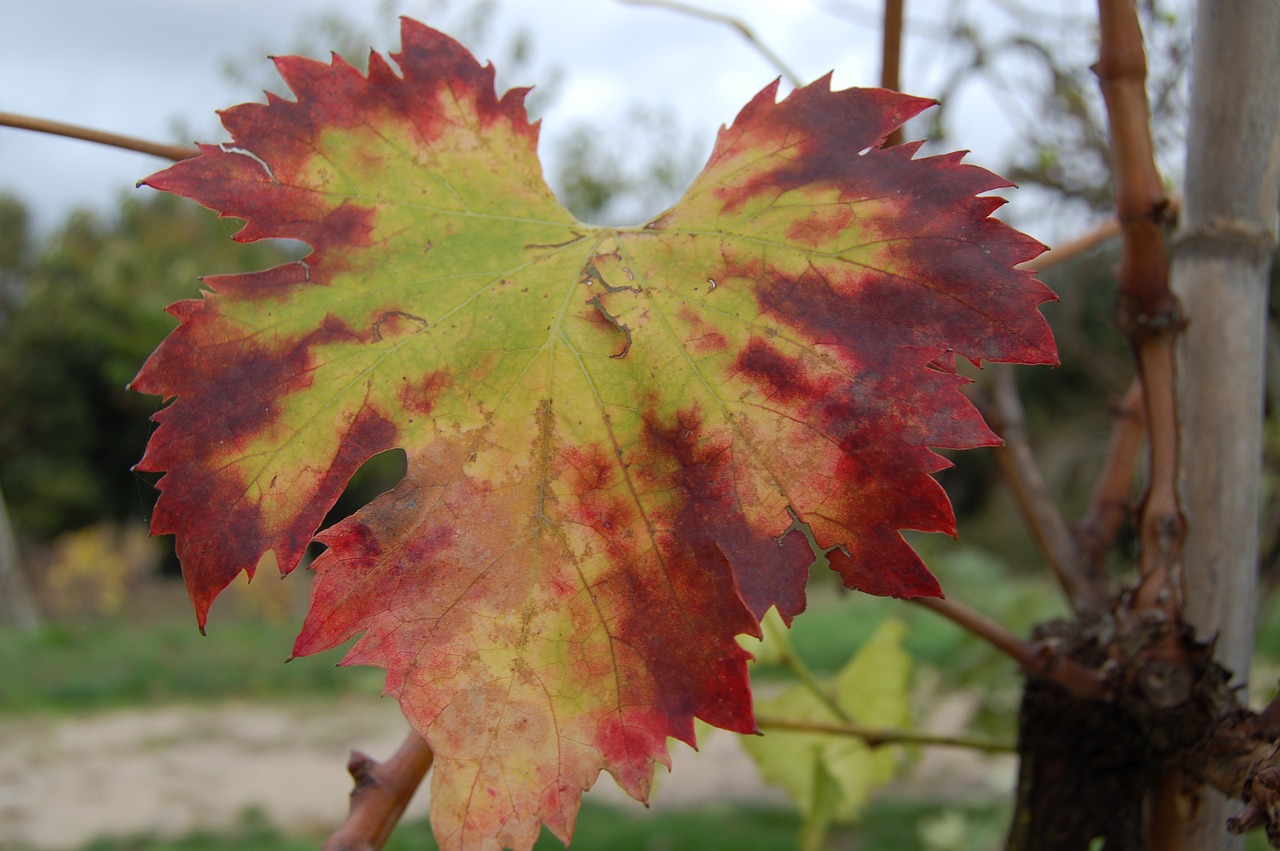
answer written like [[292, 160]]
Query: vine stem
[[877, 737], [101, 137], [1148, 311], [891, 57], [1038, 659], [1017, 462], [381, 794], [1109, 503]]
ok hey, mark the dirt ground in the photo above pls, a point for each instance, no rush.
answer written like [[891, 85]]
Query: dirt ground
[[65, 781]]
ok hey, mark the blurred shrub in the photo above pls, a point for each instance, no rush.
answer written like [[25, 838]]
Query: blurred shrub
[[91, 571]]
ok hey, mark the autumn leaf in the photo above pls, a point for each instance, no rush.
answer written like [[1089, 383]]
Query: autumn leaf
[[624, 444]]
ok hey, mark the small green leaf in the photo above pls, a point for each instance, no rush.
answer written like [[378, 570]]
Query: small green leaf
[[871, 691], [774, 645]]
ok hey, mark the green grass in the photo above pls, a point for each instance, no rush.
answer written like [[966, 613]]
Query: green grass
[[129, 662], [891, 826], [158, 656], [599, 828], [109, 664]]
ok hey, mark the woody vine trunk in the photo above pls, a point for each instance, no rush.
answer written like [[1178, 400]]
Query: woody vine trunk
[[1134, 767]]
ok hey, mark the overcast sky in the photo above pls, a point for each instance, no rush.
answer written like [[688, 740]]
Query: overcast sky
[[149, 67]]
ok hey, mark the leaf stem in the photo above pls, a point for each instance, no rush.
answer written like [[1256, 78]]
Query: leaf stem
[[777, 637], [877, 737], [797, 666], [101, 137], [381, 794]]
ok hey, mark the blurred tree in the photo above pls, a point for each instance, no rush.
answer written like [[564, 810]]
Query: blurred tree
[[15, 251], [18, 607], [80, 313], [1040, 71], [619, 180]]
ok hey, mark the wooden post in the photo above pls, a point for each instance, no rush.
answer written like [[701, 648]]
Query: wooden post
[[1222, 258]]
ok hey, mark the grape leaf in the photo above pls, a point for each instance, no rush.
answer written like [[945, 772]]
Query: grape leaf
[[624, 444], [831, 777]]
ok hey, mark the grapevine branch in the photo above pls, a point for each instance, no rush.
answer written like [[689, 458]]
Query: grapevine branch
[[381, 794], [875, 737], [1148, 311], [1100, 235], [1109, 504], [115, 140], [1017, 463], [1151, 317], [891, 56], [1038, 659], [1076, 556]]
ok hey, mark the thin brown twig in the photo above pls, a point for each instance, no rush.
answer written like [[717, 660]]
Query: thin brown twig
[[1110, 504], [1089, 240], [381, 793], [1103, 233], [729, 21], [1039, 660], [101, 137], [891, 57], [1083, 244], [1018, 466], [875, 737]]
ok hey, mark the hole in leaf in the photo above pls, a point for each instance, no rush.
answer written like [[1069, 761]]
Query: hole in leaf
[[379, 474]]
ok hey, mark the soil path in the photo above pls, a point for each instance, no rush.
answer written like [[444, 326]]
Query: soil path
[[65, 781]]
